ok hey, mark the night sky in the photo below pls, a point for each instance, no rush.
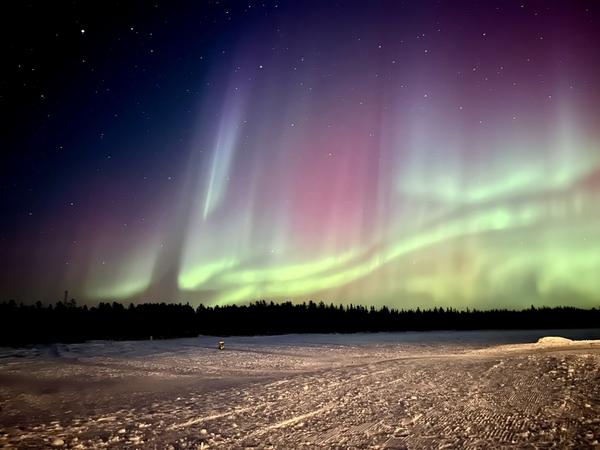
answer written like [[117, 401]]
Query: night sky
[[407, 153]]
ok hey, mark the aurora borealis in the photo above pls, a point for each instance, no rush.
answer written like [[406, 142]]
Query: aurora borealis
[[399, 153]]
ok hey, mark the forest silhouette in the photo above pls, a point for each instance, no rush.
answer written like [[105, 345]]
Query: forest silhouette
[[68, 322]]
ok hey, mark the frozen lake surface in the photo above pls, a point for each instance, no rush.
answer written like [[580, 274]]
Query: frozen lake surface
[[477, 389], [425, 338]]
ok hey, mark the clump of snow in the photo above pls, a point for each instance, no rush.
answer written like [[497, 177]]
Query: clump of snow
[[554, 340], [542, 343]]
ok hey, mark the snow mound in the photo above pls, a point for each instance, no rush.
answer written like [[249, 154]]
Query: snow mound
[[547, 342], [554, 340]]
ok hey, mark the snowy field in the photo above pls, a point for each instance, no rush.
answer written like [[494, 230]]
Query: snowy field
[[382, 390]]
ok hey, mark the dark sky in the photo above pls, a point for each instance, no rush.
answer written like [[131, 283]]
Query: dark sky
[[410, 153]]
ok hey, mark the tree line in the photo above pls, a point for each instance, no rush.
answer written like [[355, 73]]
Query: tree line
[[69, 322]]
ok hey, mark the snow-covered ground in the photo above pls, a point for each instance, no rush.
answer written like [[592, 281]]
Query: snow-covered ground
[[382, 390]]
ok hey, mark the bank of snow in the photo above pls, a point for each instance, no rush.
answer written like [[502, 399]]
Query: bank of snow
[[547, 342]]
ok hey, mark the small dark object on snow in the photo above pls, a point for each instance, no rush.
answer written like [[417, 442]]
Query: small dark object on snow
[[221, 345]]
